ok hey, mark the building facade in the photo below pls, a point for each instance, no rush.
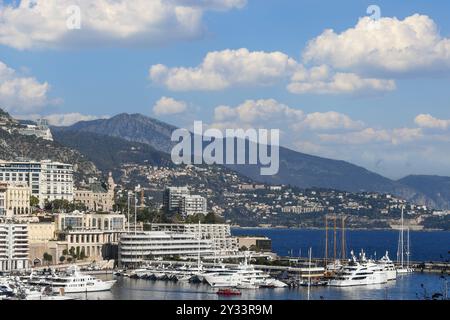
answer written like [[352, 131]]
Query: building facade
[[3, 188], [220, 234], [14, 248], [192, 205], [40, 130], [262, 244], [14, 199], [47, 180], [97, 235], [172, 197], [137, 247], [97, 200]]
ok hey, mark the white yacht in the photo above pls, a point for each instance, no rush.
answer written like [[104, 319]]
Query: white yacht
[[388, 266], [333, 267], [359, 273], [245, 275], [76, 282]]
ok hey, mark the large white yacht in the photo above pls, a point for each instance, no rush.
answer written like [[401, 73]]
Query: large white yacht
[[359, 273], [388, 267], [75, 282], [245, 275]]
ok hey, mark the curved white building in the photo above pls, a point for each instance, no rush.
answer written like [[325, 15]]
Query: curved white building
[[136, 247]]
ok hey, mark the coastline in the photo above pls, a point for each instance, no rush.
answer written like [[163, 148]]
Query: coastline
[[317, 228]]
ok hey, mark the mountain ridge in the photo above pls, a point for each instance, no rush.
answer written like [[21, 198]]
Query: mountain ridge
[[296, 168]]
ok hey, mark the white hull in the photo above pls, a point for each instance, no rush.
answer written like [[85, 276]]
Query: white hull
[[391, 275], [220, 282], [404, 270], [98, 286], [378, 278]]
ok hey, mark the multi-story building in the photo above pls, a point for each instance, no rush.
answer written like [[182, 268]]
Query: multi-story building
[[255, 243], [220, 234], [3, 188], [172, 197], [47, 180], [40, 130], [13, 247], [95, 234], [40, 236], [14, 199], [136, 247], [97, 199], [192, 205]]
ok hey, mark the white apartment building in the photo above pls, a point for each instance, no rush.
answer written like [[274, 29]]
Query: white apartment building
[[14, 248], [136, 247], [47, 180], [14, 199], [220, 234], [172, 197], [3, 200], [192, 205]]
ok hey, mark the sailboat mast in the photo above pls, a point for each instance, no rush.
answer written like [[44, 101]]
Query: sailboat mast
[[199, 237], [401, 242], [343, 238], [128, 209], [407, 249], [135, 213], [309, 274], [334, 240], [326, 240]]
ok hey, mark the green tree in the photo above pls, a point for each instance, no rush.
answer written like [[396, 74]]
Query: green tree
[[82, 254], [62, 259], [195, 218], [34, 202], [47, 258], [65, 252], [211, 217], [72, 252]]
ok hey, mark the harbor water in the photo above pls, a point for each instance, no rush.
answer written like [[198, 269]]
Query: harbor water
[[425, 246], [408, 287]]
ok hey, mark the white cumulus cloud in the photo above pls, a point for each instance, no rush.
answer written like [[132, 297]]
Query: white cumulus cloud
[[230, 68], [329, 120], [269, 113], [320, 80], [166, 105], [428, 121], [65, 119], [257, 111], [387, 46], [371, 135], [223, 69], [21, 94], [29, 24]]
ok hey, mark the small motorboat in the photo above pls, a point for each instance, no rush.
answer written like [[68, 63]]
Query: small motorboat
[[229, 292]]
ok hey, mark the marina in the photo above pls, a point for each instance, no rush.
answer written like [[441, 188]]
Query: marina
[[360, 277], [404, 288]]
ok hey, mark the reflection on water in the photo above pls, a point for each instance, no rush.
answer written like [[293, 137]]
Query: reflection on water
[[407, 287]]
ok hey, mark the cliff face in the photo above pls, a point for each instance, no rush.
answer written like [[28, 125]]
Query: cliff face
[[433, 191]]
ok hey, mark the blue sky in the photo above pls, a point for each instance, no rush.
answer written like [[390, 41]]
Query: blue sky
[[374, 122]]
